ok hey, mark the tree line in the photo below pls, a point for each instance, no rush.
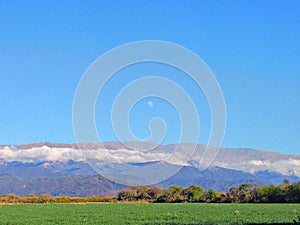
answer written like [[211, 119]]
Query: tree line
[[46, 198], [245, 193]]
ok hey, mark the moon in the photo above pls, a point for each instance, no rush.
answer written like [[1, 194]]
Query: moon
[[150, 104]]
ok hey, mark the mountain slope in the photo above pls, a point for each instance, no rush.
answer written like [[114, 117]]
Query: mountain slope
[[65, 169], [75, 185]]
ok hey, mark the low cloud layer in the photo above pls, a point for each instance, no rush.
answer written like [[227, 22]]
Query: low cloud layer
[[286, 166], [45, 153]]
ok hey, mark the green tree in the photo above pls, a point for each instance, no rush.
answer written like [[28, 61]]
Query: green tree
[[194, 193], [128, 194], [234, 194], [210, 195], [172, 194]]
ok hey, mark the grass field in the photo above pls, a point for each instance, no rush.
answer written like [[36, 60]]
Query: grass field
[[149, 214]]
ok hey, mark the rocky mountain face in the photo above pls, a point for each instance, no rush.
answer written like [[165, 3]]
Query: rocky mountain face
[[69, 169]]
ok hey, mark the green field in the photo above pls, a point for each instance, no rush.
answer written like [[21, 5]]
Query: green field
[[149, 213]]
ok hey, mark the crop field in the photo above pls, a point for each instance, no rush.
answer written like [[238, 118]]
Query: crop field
[[122, 213]]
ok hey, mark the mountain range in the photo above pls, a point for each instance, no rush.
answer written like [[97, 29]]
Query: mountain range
[[84, 169]]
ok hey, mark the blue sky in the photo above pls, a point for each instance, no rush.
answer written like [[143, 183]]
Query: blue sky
[[253, 48]]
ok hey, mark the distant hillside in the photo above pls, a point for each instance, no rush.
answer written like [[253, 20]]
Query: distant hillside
[[74, 185], [63, 169]]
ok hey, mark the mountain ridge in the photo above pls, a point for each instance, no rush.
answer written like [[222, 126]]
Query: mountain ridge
[[34, 166]]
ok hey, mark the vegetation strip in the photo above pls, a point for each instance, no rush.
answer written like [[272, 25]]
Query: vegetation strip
[[245, 193]]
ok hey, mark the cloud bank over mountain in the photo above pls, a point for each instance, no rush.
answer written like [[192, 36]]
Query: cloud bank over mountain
[[247, 160], [71, 169]]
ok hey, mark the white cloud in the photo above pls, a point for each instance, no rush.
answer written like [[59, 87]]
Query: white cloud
[[285, 166], [40, 154], [45, 153]]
